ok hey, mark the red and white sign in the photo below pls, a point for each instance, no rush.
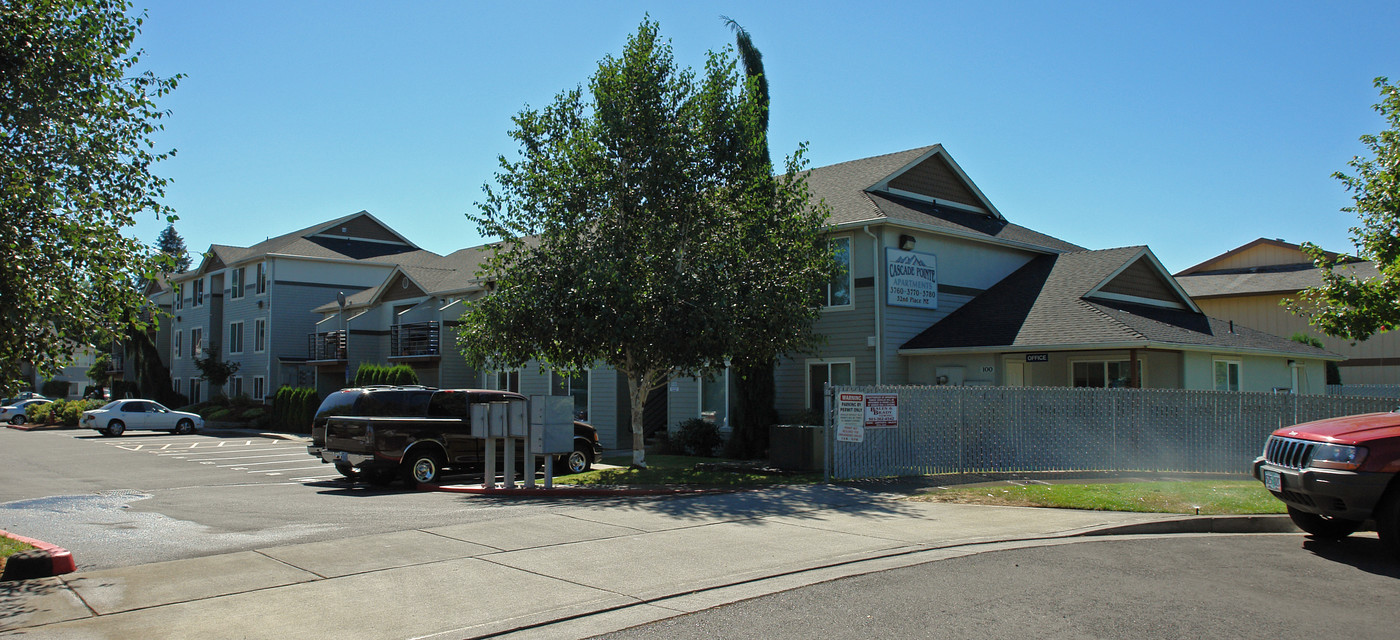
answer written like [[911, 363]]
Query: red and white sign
[[881, 410], [850, 417]]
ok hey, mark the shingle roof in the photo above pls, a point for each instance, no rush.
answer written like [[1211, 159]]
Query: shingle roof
[[844, 186], [1043, 305], [1290, 278]]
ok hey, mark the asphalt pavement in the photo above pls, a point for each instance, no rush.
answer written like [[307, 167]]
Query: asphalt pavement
[[567, 573]]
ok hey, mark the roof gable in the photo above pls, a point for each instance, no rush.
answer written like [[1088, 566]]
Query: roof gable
[[934, 177], [1142, 280], [360, 226], [1255, 254]]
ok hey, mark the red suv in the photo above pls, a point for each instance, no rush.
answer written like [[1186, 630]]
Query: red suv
[[1336, 474]]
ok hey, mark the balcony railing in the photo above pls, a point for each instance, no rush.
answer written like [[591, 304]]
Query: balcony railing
[[418, 339], [326, 346]]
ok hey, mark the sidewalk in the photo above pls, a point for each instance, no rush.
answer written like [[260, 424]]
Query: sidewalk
[[605, 565]]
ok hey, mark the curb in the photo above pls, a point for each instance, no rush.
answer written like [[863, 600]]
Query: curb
[[1203, 524], [572, 491], [50, 559]]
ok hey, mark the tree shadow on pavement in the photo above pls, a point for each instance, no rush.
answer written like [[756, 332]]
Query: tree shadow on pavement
[[20, 599]]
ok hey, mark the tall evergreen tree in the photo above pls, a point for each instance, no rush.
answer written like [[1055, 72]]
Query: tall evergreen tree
[[171, 244]]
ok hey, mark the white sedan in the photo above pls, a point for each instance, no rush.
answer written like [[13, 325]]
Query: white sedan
[[116, 417]]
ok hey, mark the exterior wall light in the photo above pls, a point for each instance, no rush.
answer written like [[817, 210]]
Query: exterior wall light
[[906, 242]]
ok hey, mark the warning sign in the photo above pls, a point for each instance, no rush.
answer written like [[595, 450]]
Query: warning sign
[[850, 417], [881, 410]]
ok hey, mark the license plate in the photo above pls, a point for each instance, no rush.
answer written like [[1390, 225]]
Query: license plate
[[1273, 480]]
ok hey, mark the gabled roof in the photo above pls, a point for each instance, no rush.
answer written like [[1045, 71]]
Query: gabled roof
[[1222, 276], [920, 188], [1056, 302], [443, 276], [358, 237]]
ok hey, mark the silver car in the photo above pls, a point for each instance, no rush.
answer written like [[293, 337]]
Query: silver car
[[117, 417], [16, 413]]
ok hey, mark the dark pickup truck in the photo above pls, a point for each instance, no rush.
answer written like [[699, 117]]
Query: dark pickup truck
[[380, 434]]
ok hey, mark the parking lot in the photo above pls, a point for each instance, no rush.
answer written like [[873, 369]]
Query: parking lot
[[253, 457]]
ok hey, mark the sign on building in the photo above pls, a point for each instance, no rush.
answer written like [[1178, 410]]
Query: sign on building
[[881, 410], [911, 279]]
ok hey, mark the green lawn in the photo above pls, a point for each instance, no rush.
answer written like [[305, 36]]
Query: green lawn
[[10, 546], [1209, 497], [681, 470]]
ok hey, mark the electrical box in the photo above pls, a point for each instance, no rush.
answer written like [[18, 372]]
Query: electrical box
[[498, 420], [516, 424], [551, 424], [481, 419], [951, 376]]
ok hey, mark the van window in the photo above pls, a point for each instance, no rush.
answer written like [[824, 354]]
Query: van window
[[337, 404], [390, 404], [449, 404]]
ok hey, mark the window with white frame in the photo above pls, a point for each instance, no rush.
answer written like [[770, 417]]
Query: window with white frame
[[197, 341], [194, 391], [503, 380], [179, 347], [175, 384], [260, 335], [235, 337], [837, 292], [821, 372], [179, 290], [714, 399], [197, 293], [575, 387], [259, 387], [261, 278], [236, 280], [235, 386], [1227, 374], [1113, 374]]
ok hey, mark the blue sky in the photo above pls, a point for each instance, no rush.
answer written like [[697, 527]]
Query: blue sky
[[1192, 127]]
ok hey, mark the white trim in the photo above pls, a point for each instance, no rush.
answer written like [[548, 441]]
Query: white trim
[[242, 337], [938, 150], [240, 290], [179, 343], [1239, 372], [259, 381], [194, 343], [332, 236], [938, 201], [263, 323], [944, 231], [1106, 346], [1151, 302], [1142, 368], [1161, 270]]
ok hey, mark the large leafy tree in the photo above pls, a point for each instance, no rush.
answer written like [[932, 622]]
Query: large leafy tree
[[76, 161], [1346, 305], [640, 234]]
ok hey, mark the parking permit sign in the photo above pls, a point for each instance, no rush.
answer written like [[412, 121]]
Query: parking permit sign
[[850, 417], [881, 410]]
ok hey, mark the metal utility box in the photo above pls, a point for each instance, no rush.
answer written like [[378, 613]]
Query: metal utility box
[[551, 424], [516, 424], [481, 420]]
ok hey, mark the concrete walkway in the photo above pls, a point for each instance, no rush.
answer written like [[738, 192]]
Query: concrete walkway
[[607, 564]]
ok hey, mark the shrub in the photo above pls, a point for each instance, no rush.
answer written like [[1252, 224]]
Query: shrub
[[294, 408], [72, 412], [696, 437], [218, 414], [41, 413], [369, 374]]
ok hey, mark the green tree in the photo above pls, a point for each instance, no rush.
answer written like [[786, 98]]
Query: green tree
[[75, 169], [755, 389], [171, 244], [638, 233], [1345, 305], [98, 372], [216, 371]]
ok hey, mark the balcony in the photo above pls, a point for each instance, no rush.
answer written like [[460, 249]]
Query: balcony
[[326, 347], [418, 340]]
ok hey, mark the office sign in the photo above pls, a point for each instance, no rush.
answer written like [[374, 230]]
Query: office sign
[[911, 279], [1037, 357]]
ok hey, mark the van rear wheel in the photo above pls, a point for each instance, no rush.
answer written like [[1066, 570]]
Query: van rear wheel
[[422, 467]]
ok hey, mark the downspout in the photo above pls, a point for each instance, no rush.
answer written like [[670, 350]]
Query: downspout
[[879, 328]]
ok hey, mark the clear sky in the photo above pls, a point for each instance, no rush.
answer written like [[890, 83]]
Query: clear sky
[[1191, 127]]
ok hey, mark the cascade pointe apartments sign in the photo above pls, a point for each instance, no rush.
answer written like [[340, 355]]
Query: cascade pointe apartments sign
[[911, 279], [856, 412]]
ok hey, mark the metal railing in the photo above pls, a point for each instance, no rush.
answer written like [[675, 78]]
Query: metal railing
[[414, 339], [1017, 429], [329, 345]]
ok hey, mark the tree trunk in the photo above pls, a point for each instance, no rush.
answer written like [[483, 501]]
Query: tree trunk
[[639, 386]]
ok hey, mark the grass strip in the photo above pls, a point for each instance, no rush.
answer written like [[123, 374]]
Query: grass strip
[[1227, 497], [674, 470], [10, 546]]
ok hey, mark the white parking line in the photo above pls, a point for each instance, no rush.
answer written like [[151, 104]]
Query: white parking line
[[278, 472], [269, 455], [252, 464]]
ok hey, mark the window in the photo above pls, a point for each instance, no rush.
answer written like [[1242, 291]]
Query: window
[[235, 337], [178, 346], [1113, 374], [576, 388], [504, 381], [1227, 375], [236, 278], [820, 373], [235, 386], [838, 291], [262, 278], [179, 297], [197, 294], [194, 391], [175, 384], [714, 399], [197, 342], [260, 335], [259, 387]]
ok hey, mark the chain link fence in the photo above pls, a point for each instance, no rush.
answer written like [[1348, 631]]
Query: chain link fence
[[1018, 429]]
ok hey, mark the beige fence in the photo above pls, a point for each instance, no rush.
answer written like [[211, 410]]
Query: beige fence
[[1018, 429]]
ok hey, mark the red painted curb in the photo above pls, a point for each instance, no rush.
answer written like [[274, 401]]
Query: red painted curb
[[567, 490], [61, 559]]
